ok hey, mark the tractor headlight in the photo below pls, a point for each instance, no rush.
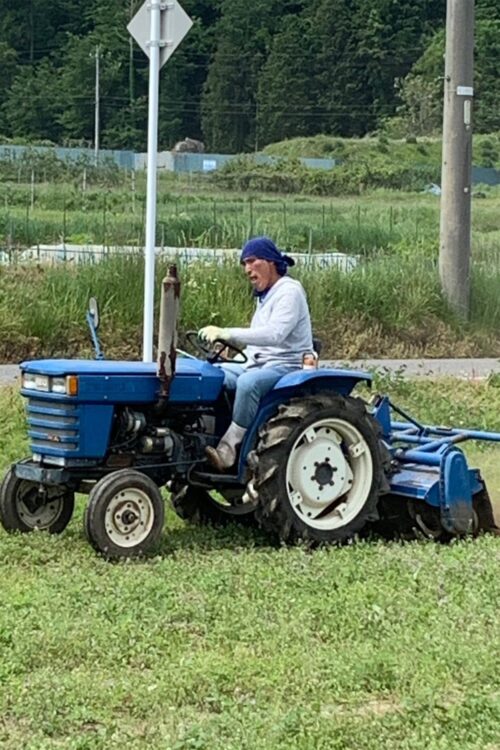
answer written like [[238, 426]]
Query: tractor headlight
[[66, 385], [34, 382], [28, 381], [58, 385]]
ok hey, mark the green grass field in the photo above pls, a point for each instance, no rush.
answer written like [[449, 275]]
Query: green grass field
[[225, 640]]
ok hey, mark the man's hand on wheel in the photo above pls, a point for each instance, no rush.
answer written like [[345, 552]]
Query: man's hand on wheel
[[212, 333]]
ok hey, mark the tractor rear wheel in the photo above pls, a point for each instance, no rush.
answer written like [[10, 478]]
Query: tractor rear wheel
[[199, 506], [124, 515], [318, 469], [28, 506]]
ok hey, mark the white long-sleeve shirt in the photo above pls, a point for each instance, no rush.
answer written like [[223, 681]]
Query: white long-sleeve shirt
[[280, 331]]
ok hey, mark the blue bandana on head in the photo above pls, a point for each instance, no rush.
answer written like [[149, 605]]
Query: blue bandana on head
[[265, 249]]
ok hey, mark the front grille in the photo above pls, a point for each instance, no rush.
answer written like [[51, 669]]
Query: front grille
[[53, 426]]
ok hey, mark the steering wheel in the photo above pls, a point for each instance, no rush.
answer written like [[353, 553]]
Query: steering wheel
[[214, 351]]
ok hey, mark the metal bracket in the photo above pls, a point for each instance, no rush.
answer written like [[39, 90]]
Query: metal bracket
[[34, 473], [161, 6], [161, 43]]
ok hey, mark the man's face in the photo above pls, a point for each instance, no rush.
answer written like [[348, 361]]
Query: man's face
[[262, 273]]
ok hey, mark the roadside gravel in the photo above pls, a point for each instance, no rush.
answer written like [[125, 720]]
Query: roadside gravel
[[470, 369]]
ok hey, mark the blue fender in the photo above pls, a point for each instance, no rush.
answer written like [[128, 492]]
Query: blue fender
[[338, 380], [456, 493], [296, 383]]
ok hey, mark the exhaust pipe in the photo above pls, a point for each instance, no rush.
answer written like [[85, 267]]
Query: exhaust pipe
[[167, 334]]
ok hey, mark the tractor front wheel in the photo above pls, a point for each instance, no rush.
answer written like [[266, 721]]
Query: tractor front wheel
[[318, 469], [28, 506], [124, 515]]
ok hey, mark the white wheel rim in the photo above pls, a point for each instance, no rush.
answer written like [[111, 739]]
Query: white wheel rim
[[329, 474], [129, 517], [43, 517]]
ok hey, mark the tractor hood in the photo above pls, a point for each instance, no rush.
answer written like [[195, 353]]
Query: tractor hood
[[122, 382], [102, 367]]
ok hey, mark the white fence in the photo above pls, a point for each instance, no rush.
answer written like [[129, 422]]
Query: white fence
[[68, 253]]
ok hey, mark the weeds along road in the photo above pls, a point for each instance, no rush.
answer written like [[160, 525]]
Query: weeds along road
[[469, 369]]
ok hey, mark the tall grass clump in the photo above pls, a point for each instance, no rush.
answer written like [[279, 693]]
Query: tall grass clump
[[485, 300], [42, 308], [393, 293]]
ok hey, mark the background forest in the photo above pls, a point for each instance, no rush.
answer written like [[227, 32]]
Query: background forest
[[246, 75]]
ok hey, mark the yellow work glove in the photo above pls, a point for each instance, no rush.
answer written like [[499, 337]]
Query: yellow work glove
[[212, 333]]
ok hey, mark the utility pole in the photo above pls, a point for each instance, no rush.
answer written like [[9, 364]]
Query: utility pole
[[256, 126], [31, 27], [456, 174], [96, 123]]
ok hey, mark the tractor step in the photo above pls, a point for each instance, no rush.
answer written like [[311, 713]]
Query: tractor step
[[212, 480]]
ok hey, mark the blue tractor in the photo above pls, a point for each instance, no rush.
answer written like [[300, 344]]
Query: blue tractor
[[318, 465]]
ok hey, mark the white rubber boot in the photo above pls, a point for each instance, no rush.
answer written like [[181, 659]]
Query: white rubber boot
[[224, 456]]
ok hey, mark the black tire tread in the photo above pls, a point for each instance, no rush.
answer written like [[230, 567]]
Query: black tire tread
[[9, 515], [194, 505], [275, 439], [484, 511], [93, 521]]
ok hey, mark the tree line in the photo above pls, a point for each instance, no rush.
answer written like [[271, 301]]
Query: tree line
[[247, 74]]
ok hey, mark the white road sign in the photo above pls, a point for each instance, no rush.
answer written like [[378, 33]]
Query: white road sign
[[174, 25]]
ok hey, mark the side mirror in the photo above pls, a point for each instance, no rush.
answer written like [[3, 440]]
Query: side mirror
[[92, 318], [94, 311]]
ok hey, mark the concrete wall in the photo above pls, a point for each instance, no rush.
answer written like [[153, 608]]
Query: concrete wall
[[485, 176], [183, 162]]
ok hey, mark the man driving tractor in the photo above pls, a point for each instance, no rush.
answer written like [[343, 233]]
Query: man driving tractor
[[279, 336]]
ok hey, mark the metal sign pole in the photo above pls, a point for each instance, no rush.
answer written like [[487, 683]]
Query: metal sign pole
[[96, 112], [149, 270], [158, 36]]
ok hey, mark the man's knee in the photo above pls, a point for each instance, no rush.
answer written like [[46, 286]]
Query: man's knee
[[247, 382], [257, 382]]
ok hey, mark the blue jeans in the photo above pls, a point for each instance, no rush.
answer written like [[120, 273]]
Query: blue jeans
[[251, 385]]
